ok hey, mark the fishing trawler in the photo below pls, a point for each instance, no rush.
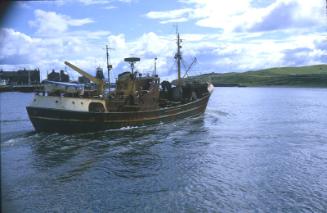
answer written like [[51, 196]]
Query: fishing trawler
[[137, 100]]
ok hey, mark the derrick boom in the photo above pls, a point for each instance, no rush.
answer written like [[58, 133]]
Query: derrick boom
[[100, 83]]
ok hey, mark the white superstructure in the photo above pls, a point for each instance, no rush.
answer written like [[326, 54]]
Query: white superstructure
[[65, 103]]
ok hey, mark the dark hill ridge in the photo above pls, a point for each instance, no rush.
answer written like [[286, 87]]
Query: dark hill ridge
[[307, 76]]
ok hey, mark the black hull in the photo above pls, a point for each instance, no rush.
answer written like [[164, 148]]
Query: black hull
[[54, 120]]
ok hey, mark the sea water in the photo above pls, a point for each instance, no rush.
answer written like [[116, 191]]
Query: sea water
[[254, 150]]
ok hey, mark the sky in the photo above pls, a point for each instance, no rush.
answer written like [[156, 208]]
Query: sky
[[224, 36]]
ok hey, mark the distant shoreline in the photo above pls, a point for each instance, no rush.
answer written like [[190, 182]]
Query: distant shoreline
[[308, 76], [282, 77], [274, 86], [20, 88]]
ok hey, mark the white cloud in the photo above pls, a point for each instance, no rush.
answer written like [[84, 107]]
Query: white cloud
[[19, 49], [147, 47], [278, 33], [52, 22], [117, 41], [180, 15], [215, 53], [86, 50], [91, 2], [110, 7], [242, 15], [9, 40], [286, 14]]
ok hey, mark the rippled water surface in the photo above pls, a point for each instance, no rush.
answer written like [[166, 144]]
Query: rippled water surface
[[254, 150]]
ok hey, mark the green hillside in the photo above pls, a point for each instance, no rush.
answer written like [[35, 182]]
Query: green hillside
[[308, 76]]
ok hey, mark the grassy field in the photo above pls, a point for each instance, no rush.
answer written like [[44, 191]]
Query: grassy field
[[309, 76]]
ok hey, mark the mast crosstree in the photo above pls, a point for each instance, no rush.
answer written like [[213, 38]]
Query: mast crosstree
[[179, 59]]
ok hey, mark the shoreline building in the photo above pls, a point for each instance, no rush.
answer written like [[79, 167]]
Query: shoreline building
[[83, 80], [20, 77], [58, 76]]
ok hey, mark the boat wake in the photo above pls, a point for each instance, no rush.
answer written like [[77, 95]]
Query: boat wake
[[212, 111], [13, 138], [130, 127]]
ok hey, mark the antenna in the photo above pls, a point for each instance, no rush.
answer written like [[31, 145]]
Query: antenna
[[155, 66], [178, 56], [131, 61], [109, 66]]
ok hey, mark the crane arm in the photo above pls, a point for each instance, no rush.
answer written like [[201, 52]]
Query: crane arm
[[100, 83], [83, 73]]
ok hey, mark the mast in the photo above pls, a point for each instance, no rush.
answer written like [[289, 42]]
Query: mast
[[155, 66], [109, 66], [178, 56]]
